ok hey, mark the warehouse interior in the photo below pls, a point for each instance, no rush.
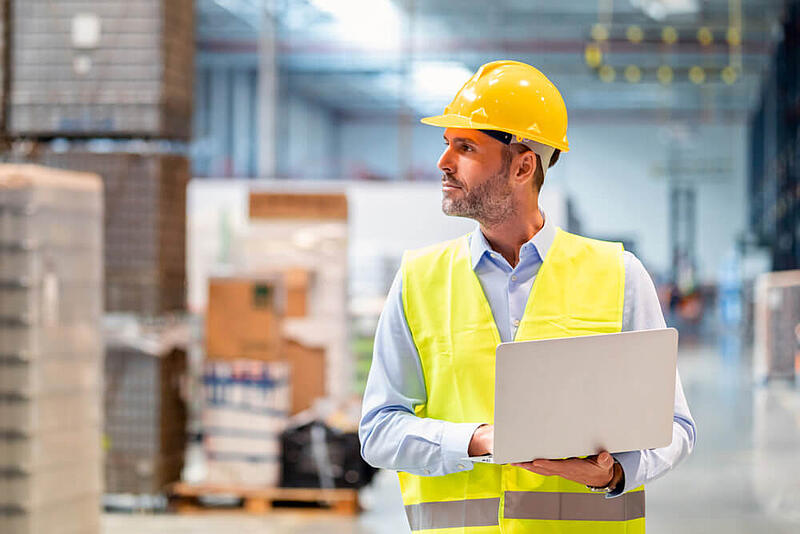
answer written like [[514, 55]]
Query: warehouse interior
[[204, 203]]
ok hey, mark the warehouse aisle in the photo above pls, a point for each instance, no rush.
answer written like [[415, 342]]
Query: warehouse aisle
[[743, 477]]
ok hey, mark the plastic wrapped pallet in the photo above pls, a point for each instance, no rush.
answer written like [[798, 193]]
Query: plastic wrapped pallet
[[69, 80], [777, 325], [50, 349], [145, 409], [145, 226], [4, 30], [246, 409], [308, 230]]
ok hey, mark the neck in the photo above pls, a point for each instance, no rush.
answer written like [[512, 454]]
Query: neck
[[508, 236]]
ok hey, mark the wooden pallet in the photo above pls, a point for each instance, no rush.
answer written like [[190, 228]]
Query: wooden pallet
[[187, 498]]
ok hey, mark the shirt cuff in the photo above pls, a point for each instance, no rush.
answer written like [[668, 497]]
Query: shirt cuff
[[455, 444], [634, 468]]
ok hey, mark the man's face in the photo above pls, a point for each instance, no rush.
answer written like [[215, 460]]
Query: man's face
[[475, 177]]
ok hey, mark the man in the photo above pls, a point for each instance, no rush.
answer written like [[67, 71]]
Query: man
[[430, 391]]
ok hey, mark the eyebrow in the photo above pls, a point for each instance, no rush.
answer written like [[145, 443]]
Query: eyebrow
[[461, 140]]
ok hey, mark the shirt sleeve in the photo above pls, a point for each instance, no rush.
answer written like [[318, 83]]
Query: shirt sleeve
[[643, 312], [392, 436]]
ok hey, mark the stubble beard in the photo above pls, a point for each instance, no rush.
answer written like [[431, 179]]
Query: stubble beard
[[490, 203]]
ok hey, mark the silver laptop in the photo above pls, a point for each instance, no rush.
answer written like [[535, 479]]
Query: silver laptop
[[578, 396]]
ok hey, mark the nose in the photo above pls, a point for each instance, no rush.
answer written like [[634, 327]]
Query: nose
[[446, 161]]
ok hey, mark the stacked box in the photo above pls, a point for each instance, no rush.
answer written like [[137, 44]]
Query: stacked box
[[4, 51], [145, 417], [50, 350], [102, 68], [777, 325], [145, 227], [309, 231], [246, 409]]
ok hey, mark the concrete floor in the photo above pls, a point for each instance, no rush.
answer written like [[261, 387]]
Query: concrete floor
[[743, 477]]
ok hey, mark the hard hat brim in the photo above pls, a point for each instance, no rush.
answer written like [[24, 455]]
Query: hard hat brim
[[457, 121]]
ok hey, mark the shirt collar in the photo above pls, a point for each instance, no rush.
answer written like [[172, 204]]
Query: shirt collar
[[541, 241]]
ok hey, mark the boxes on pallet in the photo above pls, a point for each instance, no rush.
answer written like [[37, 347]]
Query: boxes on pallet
[[291, 230], [144, 234], [50, 350], [243, 320], [73, 516], [145, 410], [307, 374], [246, 409], [777, 325], [68, 79]]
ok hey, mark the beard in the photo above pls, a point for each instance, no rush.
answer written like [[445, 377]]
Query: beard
[[490, 203]]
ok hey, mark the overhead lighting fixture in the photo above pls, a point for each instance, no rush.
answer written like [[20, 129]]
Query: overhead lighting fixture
[[734, 36], [697, 75], [599, 32], [729, 75], [669, 35], [634, 34], [607, 73], [376, 23], [633, 74], [661, 9], [438, 80], [705, 36], [664, 74], [593, 55]]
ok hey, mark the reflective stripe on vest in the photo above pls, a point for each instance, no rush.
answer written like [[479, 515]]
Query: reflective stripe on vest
[[578, 290], [526, 505]]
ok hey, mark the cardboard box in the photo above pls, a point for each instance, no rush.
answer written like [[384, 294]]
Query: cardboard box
[[243, 320], [307, 374], [297, 283], [280, 205]]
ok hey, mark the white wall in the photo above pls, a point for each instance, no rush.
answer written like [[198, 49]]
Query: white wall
[[609, 176]]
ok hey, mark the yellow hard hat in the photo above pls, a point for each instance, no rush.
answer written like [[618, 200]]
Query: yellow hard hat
[[511, 97]]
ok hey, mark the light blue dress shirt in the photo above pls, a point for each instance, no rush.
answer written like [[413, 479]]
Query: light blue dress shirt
[[393, 437]]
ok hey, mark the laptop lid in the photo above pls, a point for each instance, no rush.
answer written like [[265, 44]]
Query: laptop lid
[[577, 396]]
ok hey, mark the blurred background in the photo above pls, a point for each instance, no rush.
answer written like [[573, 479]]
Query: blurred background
[[203, 204]]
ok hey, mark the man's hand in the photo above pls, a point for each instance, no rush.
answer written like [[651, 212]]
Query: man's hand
[[598, 471], [482, 441]]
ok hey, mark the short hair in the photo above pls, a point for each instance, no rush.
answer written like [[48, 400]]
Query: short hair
[[538, 175]]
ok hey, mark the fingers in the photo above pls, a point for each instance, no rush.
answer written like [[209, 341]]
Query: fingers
[[605, 460], [577, 469]]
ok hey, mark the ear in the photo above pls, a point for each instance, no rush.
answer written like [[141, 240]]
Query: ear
[[523, 168]]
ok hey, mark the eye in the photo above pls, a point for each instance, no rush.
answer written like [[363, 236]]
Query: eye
[[466, 148]]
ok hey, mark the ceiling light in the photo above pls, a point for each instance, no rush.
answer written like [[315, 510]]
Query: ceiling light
[[734, 37], [664, 74], [705, 36], [376, 23], [669, 34], [660, 9], [599, 32], [729, 75], [593, 55], [607, 73], [438, 79], [697, 75], [633, 73], [634, 34]]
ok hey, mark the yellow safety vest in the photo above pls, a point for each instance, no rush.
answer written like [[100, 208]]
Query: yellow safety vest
[[579, 290]]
